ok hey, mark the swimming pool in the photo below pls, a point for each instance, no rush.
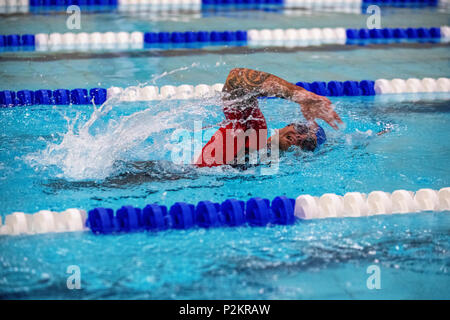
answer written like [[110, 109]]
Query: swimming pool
[[53, 158]]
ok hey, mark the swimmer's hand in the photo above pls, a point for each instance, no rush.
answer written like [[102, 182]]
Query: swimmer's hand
[[245, 83], [318, 107]]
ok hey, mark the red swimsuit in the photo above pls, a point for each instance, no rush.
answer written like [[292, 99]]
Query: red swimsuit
[[243, 119]]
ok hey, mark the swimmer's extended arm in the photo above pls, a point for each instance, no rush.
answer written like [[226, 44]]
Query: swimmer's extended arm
[[243, 83]]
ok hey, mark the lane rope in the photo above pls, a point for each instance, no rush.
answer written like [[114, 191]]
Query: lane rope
[[80, 96], [14, 6], [97, 41], [230, 213]]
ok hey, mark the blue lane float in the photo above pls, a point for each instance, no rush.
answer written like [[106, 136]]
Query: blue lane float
[[155, 217], [15, 40], [102, 220], [181, 215], [353, 35], [340, 88], [52, 97], [56, 4], [197, 36]]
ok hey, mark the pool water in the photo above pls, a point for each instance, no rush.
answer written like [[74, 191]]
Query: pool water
[[58, 157], [322, 259]]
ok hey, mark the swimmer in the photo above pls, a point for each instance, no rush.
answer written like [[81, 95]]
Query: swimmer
[[242, 113]]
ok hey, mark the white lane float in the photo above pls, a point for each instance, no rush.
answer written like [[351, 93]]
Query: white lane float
[[355, 204], [44, 221]]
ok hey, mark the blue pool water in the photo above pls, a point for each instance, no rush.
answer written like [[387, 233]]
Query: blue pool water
[[52, 158]]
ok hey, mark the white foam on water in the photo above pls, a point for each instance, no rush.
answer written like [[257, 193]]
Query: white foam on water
[[89, 149]]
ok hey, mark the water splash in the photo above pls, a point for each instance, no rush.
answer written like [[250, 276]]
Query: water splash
[[89, 149], [155, 78]]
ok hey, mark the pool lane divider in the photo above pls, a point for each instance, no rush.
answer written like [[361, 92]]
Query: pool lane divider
[[136, 40], [98, 96], [36, 6], [256, 212]]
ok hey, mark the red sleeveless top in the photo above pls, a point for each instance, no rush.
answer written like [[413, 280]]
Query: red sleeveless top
[[238, 118]]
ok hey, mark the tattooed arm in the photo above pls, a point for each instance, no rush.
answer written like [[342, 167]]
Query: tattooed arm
[[245, 84]]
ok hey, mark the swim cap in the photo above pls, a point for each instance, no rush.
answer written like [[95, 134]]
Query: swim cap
[[321, 136], [303, 128]]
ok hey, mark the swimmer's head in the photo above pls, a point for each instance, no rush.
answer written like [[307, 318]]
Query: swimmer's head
[[300, 134]]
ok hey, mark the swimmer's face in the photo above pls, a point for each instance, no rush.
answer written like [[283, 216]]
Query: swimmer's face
[[301, 136]]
